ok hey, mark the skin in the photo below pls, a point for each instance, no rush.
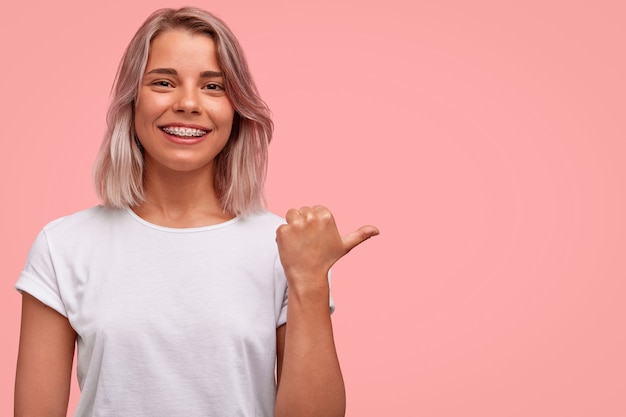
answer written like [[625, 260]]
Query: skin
[[178, 176], [182, 86], [44, 362], [310, 381]]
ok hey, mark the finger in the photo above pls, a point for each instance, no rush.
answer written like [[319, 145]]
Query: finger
[[291, 215], [306, 213], [324, 215], [280, 232], [320, 209], [351, 240]]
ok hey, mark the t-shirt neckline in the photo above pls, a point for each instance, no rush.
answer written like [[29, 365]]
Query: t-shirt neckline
[[146, 223]]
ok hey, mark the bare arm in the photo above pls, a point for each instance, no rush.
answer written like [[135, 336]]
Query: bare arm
[[309, 377], [44, 363]]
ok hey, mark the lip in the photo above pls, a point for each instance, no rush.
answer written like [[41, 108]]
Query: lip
[[191, 126], [185, 141]]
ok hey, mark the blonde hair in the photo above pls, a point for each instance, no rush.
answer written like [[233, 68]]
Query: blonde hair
[[239, 170]]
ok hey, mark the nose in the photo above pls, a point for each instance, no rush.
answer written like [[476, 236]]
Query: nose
[[187, 101]]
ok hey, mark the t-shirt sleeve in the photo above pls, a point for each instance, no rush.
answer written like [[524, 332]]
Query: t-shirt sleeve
[[282, 315], [331, 302], [39, 277]]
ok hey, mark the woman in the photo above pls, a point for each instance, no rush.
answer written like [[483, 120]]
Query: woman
[[175, 290]]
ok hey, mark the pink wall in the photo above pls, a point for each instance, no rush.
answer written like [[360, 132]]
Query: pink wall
[[486, 141]]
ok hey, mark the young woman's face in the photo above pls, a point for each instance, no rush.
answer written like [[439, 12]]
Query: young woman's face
[[183, 117]]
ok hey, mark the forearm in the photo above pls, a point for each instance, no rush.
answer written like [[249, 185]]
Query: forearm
[[310, 381]]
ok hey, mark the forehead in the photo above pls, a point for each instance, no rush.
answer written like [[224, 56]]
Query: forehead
[[182, 48]]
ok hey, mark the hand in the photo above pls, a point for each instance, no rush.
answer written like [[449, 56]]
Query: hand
[[309, 244]]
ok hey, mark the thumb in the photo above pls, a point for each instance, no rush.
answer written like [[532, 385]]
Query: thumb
[[351, 240]]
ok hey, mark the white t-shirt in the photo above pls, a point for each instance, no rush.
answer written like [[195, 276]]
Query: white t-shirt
[[170, 322]]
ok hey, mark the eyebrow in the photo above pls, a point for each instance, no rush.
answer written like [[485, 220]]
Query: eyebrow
[[172, 71]]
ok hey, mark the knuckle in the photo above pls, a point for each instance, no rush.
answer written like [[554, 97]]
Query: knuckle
[[326, 215]]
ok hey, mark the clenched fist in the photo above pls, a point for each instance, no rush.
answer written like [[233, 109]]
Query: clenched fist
[[309, 244]]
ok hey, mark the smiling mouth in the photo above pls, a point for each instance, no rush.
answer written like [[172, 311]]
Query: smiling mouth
[[184, 132]]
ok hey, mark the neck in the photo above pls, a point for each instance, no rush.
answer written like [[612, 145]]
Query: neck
[[181, 199]]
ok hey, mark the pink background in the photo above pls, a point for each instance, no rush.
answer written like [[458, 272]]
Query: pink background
[[485, 140]]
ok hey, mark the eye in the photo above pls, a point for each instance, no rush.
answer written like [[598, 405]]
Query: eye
[[162, 83], [214, 87]]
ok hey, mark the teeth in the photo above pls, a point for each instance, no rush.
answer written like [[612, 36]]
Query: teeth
[[184, 131]]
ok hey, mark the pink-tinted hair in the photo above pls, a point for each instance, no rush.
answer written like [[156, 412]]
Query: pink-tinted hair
[[239, 170]]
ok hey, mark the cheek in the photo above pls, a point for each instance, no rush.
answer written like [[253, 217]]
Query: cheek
[[141, 115], [140, 125], [150, 107], [143, 121], [224, 116]]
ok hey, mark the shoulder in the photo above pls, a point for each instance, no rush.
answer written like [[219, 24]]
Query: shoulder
[[257, 229], [67, 235], [84, 221], [264, 220]]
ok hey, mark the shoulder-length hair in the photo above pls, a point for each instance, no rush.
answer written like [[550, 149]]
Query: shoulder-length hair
[[239, 169]]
